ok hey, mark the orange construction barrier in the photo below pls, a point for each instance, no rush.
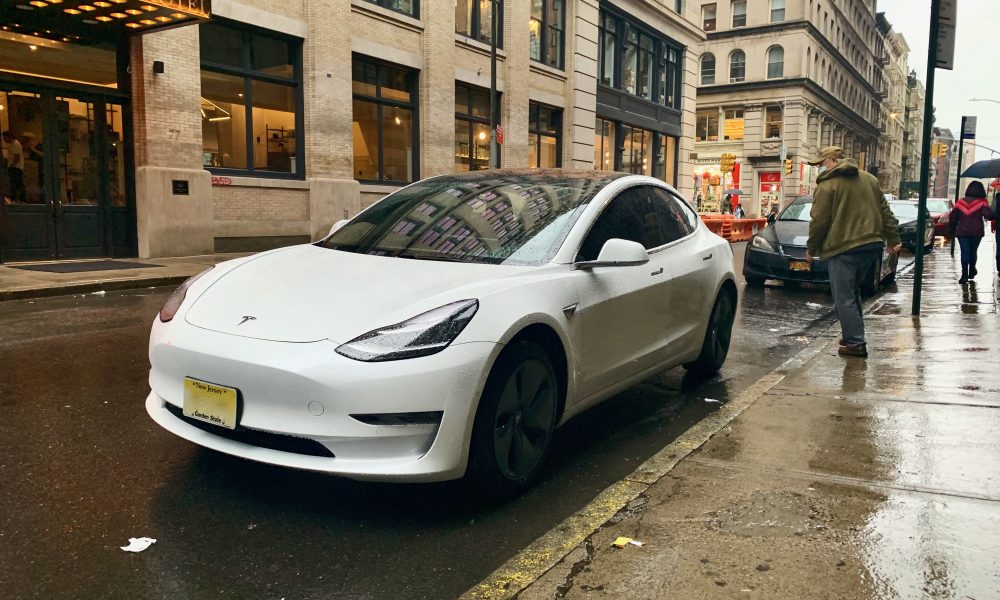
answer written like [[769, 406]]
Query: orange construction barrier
[[731, 228]]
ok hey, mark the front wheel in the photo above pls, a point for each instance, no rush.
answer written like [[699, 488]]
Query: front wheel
[[715, 347], [515, 420]]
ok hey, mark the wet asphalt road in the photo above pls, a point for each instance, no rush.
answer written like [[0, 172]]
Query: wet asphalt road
[[84, 469]]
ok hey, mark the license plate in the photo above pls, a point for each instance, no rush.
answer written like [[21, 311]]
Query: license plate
[[798, 265], [215, 404]]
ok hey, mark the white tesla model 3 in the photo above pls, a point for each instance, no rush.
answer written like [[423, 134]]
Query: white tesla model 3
[[447, 329]]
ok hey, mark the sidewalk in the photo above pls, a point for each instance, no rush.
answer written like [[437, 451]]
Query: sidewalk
[[836, 478], [16, 283]]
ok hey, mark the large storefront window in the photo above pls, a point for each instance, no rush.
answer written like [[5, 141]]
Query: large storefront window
[[472, 128], [407, 7], [623, 147], [545, 31], [544, 125], [385, 124], [667, 160], [251, 98], [604, 145], [473, 19], [642, 64], [637, 151]]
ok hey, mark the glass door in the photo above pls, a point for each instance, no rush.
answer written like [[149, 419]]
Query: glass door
[[26, 204], [81, 209]]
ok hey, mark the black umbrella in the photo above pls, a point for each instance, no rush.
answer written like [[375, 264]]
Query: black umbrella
[[983, 169]]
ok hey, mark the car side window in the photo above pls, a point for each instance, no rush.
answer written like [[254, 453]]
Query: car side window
[[632, 216]]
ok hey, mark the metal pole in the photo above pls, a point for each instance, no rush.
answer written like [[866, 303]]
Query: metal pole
[[958, 174], [925, 154], [494, 105]]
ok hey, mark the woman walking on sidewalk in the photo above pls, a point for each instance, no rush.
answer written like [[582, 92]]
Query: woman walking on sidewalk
[[967, 225]]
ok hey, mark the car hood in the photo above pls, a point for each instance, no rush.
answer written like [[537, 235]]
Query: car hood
[[788, 233], [307, 293]]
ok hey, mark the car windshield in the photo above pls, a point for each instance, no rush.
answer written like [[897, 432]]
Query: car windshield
[[506, 219], [798, 211], [904, 211], [937, 206]]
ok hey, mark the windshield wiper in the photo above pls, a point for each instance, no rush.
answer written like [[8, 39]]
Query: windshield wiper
[[439, 258], [799, 220]]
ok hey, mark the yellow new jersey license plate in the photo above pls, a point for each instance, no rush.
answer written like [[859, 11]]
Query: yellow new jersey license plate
[[798, 265], [215, 404]]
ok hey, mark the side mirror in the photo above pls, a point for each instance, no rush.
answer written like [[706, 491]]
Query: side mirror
[[617, 253], [337, 226]]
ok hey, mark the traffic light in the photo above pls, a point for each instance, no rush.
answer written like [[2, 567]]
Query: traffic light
[[788, 166]]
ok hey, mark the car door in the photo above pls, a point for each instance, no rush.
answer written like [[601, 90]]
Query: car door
[[618, 324]]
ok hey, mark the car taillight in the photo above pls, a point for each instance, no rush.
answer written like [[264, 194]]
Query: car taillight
[[173, 303]]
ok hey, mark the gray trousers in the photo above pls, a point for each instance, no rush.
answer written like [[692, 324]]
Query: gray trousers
[[847, 272]]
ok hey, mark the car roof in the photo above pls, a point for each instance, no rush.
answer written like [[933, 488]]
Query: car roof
[[538, 174]]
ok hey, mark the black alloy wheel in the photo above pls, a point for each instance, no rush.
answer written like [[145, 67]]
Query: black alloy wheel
[[515, 420], [715, 348]]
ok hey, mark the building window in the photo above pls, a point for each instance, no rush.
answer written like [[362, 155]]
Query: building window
[[777, 10], [708, 14], [604, 145], [641, 64], [544, 136], [251, 102], [772, 122], [407, 7], [607, 51], [739, 13], [667, 160], [708, 69], [472, 128], [775, 62], [473, 19], [545, 32], [737, 66], [707, 125], [385, 122], [637, 151], [733, 125]]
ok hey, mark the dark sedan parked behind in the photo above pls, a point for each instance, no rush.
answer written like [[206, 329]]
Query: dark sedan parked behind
[[779, 252], [905, 212]]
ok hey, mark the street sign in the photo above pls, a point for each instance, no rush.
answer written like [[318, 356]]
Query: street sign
[[948, 17], [968, 128]]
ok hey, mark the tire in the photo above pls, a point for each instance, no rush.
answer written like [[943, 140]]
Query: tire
[[718, 335], [514, 422]]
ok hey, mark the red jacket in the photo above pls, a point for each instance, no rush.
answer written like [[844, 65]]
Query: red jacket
[[967, 217]]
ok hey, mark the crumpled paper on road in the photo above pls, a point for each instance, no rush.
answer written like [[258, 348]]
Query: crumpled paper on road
[[138, 544]]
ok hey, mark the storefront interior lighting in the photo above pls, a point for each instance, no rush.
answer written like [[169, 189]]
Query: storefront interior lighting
[[214, 105], [217, 119]]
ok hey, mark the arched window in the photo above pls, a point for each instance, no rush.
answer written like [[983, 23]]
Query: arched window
[[737, 66], [776, 62], [708, 69]]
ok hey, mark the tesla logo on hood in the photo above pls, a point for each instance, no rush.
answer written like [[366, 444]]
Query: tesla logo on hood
[[246, 318]]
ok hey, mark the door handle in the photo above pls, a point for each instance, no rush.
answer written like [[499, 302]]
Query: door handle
[[657, 272], [709, 257]]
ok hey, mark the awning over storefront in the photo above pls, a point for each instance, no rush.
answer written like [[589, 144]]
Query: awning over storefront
[[100, 20]]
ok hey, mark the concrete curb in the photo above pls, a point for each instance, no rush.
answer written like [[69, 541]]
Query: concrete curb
[[86, 287]]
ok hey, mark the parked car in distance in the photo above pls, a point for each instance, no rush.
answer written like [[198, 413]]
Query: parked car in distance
[[447, 329], [779, 252], [906, 213], [940, 210]]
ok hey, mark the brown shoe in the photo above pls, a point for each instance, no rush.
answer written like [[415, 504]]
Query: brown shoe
[[859, 350], [842, 342]]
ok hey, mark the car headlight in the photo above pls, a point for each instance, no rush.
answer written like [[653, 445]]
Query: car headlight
[[762, 243], [173, 303], [423, 335]]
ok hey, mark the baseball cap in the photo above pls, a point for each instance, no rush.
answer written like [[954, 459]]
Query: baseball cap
[[830, 152]]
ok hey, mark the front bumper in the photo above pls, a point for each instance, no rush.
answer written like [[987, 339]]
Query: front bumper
[[774, 265], [302, 394]]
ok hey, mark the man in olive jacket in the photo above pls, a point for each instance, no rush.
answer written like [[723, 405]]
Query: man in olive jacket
[[850, 227]]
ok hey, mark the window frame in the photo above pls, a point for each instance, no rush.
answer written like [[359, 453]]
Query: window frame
[[386, 5], [701, 68], [470, 118], [413, 105], [662, 45], [533, 128], [477, 24], [781, 122], [770, 63], [544, 33], [249, 75], [715, 16], [777, 9], [732, 66], [734, 15]]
